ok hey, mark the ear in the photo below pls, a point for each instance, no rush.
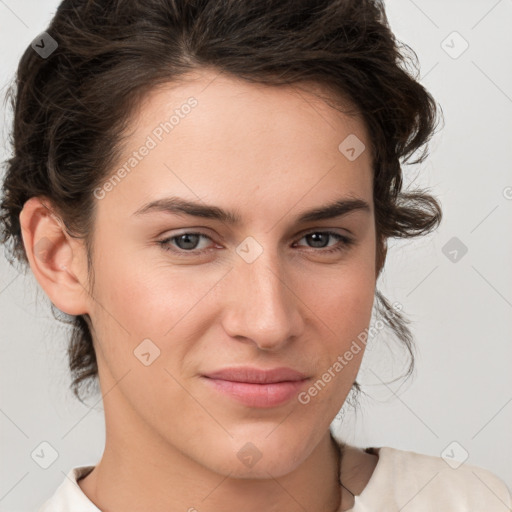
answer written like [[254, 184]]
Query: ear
[[58, 261]]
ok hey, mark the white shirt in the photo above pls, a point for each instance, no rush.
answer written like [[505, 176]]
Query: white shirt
[[401, 481]]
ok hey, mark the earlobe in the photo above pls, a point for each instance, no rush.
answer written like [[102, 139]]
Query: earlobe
[[54, 257]]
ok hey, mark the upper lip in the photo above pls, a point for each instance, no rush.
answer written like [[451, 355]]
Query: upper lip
[[257, 375]]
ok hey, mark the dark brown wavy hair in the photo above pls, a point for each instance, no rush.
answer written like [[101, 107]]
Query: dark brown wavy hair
[[70, 107]]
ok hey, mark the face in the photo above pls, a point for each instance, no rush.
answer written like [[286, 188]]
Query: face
[[177, 296]]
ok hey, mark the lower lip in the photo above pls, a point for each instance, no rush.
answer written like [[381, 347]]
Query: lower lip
[[258, 395]]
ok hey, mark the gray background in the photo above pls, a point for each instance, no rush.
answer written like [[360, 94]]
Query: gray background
[[461, 310]]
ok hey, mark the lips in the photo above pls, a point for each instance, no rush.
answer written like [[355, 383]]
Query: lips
[[256, 375], [255, 387]]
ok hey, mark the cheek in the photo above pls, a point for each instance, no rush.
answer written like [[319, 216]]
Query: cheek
[[342, 308], [342, 297], [136, 300]]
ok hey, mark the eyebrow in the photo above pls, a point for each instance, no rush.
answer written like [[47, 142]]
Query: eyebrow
[[178, 205]]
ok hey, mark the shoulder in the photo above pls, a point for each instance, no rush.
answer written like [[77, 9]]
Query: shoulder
[[68, 496], [421, 478]]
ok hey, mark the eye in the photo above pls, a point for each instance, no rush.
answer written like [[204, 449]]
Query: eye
[[319, 239], [186, 242]]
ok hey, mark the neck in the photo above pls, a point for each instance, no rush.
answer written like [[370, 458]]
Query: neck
[[116, 483]]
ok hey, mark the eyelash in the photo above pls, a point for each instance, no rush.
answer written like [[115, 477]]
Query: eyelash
[[345, 243]]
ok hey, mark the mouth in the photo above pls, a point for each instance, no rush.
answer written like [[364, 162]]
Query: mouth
[[255, 387]]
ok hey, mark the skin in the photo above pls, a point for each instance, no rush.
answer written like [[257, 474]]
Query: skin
[[172, 441]]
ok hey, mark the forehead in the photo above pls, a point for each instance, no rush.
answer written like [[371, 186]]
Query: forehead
[[226, 101], [214, 135]]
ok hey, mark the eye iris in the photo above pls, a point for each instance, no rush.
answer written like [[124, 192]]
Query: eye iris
[[187, 237], [315, 237]]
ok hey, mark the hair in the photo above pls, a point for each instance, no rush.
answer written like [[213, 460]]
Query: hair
[[71, 107]]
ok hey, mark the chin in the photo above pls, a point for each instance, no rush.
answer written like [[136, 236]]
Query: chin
[[263, 469], [259, 456]]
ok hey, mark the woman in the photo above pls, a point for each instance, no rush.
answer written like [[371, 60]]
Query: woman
[[268, 136]]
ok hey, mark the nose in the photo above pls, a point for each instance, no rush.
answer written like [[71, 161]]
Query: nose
[[263, 307]]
